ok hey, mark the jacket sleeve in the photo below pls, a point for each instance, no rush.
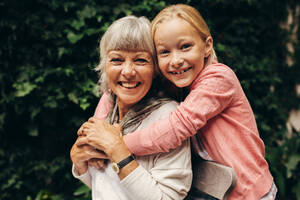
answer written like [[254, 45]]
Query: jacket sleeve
[[168, 175], [210, 94], [170, 178], [103, 107], [85, 178]]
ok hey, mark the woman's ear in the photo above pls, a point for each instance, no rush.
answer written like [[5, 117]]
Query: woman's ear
[[208, 46]]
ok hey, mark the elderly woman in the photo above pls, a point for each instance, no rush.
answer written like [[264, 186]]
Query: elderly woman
[[127, 68]]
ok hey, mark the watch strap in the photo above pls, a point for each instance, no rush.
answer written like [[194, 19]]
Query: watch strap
[[118, 166], [126, 161]]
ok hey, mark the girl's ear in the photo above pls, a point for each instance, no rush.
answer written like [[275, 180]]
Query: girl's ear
[[208, 46]]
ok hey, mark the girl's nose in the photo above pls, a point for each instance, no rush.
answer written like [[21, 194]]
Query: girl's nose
[[128, 70], [176, 60]]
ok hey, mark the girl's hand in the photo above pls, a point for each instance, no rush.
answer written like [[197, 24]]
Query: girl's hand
[[105, 137], [80, 155]]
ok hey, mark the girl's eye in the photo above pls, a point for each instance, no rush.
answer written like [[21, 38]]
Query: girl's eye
[[164, 52], [186, 46]]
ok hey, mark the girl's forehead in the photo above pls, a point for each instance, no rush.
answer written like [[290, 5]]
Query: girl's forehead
[[176, 23], [174, 29]]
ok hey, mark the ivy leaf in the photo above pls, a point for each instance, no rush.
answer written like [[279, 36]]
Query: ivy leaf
[[84, 104], [33, 131], [2, 117], [77, 24], [296, 190], [73, 38], [34, 112], [81, 190], [72, 97], [91, 31], [50, 102], [292, 164], [220, 47], [87, 12], [24, 88]]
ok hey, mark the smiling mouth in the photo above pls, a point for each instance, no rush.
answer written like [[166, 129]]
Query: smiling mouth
[[181, 72], [129, 85]]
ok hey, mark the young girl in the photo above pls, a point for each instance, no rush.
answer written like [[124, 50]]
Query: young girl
[[215, 113]]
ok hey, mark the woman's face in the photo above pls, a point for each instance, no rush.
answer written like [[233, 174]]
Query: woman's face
[[180, 51], [129, 75]]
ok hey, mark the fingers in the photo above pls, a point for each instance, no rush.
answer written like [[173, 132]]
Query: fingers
[[118, 126], [79, 132], [95, 153], [94, 120], [91, 147], [97, 163], [84, 128], [101, 154], [86, 125], [82, 141]]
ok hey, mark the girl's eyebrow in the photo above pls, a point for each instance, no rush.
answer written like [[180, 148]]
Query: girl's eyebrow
[[159, 44]]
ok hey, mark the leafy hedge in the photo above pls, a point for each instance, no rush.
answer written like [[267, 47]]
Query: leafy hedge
[[48, 86]]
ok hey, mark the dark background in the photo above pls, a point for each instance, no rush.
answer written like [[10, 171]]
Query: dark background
[[48, 50]]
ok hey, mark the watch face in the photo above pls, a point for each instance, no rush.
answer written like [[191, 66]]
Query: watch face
[[115, 167]]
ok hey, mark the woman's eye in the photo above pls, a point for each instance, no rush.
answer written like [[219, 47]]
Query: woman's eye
[[141, 60], [116, 60]]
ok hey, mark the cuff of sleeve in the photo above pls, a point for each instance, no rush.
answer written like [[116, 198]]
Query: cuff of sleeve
[[131, 178], [130, 141], [85, 177], [75, 173]]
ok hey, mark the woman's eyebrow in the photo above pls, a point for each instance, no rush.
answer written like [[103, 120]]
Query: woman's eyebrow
[[113, 54], [144, 54]]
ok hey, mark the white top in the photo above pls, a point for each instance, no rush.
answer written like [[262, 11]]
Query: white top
[[161, 176]]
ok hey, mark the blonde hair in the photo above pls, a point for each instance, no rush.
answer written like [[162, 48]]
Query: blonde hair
[[190, 15], [128, 33]]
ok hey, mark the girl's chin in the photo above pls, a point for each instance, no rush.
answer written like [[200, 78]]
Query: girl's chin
[[181, 83]]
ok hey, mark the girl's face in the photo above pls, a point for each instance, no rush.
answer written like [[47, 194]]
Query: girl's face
[[180, 51]]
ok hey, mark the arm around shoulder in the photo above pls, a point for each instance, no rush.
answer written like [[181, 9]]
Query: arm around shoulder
[[103, 107]]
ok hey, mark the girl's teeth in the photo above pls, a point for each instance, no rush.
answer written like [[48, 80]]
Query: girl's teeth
[[181, 72], [177, 72]]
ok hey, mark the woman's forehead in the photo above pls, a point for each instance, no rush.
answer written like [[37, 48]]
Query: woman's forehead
[[135, 52]]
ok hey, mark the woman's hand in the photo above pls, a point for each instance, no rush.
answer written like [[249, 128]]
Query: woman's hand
[[81, 155], [105, 137], [97, 163]]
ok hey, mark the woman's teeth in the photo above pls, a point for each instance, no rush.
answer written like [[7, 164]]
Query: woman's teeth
[[129, 85], [181, 72]]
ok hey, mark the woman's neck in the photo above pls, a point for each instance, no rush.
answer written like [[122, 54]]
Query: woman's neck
[[123, 109]]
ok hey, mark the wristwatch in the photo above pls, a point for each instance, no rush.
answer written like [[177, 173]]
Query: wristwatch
[[118, 166]]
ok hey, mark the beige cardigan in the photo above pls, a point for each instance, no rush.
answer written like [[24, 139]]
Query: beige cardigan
[[159, 177]]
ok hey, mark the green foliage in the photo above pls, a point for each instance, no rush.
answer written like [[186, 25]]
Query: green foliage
[[48, 86]]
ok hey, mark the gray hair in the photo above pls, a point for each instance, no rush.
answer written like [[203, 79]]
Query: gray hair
[[129, 33]]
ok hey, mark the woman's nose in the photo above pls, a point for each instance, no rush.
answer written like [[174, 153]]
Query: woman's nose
[[176, 60], [128, 70]]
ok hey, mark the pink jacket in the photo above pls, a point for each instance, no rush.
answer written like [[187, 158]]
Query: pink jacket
[[218, 111]]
